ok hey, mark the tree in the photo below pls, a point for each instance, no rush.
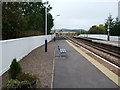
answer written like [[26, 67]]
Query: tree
[[114, 25], [109, 22], [101, 29], [93, 30], [10, 19], [50, 22], [15, 69], [81, 32], [24, 19], [77, 33], [115, 31]]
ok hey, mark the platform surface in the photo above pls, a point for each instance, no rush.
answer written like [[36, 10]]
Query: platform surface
[[75, 71], [113, 43]]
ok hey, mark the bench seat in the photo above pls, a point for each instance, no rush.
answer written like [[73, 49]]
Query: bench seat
[[63, 51]]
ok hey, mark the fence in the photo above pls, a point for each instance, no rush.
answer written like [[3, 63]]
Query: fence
[[18, 48]]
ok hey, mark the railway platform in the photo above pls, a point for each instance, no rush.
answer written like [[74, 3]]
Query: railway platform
[[74, 70], [113, 43]]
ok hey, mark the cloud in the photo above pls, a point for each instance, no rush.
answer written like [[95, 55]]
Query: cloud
[[75, 13], [59, 1]]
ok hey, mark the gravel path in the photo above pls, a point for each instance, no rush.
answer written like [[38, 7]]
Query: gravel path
[[39, 63]]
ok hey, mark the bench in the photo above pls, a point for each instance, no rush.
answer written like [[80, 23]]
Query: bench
[[62, 51]]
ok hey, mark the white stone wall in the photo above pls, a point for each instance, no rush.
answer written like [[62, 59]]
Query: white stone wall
[[18, 48]]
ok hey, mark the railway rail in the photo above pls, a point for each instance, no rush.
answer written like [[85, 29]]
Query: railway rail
[[113, 50], [109, 53]]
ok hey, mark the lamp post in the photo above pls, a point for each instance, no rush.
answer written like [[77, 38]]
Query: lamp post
[[54, 19], [46, 26], [108, 30], [108, 33], [54, 26], [46, 20]]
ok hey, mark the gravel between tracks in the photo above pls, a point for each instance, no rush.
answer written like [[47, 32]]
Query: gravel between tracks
[[39, 63]]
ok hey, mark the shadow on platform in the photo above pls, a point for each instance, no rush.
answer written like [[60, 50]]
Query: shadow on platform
[[61, 38]]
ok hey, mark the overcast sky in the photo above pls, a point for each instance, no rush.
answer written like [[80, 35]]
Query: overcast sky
[[82, 13]]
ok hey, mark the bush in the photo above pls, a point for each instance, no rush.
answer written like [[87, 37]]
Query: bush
[[19, 79], [12, 84], [25, 84], [15, 84], [33, 79], [14, 70], [26, 76]]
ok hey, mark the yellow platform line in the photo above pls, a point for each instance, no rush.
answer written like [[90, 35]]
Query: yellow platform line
[[115, 78]]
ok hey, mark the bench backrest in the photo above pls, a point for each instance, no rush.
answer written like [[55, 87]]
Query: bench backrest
[[58, 47]]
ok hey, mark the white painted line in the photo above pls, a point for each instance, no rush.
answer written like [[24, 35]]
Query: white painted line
[[53, 71], [102, 58]]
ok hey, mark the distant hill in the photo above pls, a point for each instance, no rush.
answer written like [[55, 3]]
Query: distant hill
[[73, 30], [70, 30]]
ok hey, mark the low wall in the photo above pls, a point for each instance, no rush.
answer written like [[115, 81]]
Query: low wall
[[101, 36], [18, 48]]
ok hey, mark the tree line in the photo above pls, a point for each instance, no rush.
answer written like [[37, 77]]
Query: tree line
[[21, 19], [113, 23]]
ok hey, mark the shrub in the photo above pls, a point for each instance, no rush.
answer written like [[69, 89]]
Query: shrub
[[14, 70], [14, 84], [26, 76], [32, 79], [19, 79], [25, 84]]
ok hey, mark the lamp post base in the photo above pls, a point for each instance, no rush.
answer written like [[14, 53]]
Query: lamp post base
[[46, 45]]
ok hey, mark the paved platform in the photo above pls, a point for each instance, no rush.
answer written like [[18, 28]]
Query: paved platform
[[113, 43], [75, 71]]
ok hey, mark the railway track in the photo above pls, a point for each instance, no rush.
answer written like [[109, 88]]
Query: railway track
[[110, 55], [112, 50]]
